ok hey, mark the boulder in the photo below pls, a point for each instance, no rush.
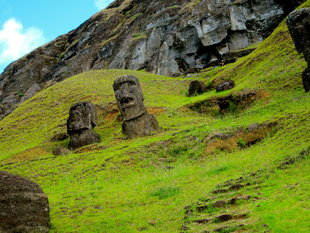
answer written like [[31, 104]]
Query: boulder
[[226, 85], [24, 208], [196, 88]]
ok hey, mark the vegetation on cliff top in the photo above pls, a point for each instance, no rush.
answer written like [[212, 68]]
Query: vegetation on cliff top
[[145, 184]]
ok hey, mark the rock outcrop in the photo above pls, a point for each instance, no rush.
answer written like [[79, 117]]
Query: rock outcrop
[[137, 121], [163, 37], [299, 26], [82, 119], [226, 85], [23, 206]]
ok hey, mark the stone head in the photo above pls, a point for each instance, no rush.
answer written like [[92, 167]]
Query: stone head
[[129, 97], [82, 116], [299, 26]]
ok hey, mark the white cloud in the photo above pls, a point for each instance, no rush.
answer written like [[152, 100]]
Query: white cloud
[[100, 4], [15, 41]]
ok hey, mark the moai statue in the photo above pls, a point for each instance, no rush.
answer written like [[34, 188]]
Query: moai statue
[[80, 124], [23, 205], [299, 27], [137, 122]]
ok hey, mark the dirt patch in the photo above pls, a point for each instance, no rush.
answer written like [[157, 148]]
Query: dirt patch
[[108, 113], [90, 148], [155, 110], [29, 154], [239, 139], [231, 103], [59, 137]]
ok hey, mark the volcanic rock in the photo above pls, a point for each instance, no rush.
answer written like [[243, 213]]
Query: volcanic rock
[[82, 119], [137, 121], [163, 37], [226, 85], [196, 87], [298, 23], [24, 208]]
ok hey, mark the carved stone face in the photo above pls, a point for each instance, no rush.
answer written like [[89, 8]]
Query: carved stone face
[[82, 116], [129, 97], [299, 26]]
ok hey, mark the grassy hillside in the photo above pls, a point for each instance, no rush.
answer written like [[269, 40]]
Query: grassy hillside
[[169, 182]]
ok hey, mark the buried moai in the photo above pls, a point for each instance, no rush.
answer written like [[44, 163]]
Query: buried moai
[[299, 27], [24, 207], [80, 124], [137, 122]]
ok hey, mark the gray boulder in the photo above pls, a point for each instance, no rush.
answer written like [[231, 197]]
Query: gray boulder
[[226, 85], [24, 208], [196, 87]]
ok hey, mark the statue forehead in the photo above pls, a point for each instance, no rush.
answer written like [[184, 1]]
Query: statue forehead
[[80, 107], [299, 14], [125, 79]]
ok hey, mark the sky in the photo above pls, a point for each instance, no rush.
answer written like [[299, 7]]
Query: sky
[[28, 24]]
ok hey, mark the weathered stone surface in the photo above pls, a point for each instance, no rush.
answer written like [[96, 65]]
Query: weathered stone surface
[[299, 26], [226, 85], [137, 121], [298, 23], [196, 87], [163, 37], [306, 79], [141, 126], [129, 97], [80, 124], [24, 208]]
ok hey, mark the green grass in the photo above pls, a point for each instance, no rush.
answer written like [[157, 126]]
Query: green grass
[[144, 184]]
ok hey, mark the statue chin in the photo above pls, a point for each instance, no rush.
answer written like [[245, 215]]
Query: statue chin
[[132, 112]]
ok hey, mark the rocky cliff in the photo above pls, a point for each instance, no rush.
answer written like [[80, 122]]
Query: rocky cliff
[[163, 37]]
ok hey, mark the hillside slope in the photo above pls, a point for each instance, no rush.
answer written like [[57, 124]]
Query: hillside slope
[[253, 157], [163, 37]]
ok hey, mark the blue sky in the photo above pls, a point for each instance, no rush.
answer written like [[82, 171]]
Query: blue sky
[[28, 24]]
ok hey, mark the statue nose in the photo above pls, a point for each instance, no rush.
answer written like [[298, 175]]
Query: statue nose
[[126, 100]]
